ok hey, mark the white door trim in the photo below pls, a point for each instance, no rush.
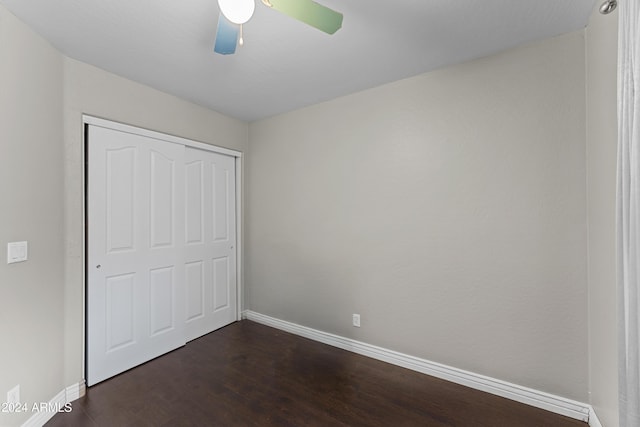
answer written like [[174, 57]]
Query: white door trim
[[109, 124], [95, 121], [239, 246]]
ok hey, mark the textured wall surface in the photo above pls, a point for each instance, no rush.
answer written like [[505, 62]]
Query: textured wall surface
[[447, 209], [602, 134], [31, 208]]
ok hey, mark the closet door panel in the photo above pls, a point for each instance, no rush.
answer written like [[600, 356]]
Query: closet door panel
[[135, 250], [210, 245]]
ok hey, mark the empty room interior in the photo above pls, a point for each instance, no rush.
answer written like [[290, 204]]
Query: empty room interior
[[431, 186]]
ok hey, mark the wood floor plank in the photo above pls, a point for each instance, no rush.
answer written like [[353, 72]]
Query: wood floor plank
[[248, 374]]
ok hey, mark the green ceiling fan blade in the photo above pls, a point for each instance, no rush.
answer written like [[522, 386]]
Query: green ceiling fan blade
[[309, 12]]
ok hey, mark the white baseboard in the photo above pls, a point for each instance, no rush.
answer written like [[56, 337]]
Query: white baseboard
[[68, 395], [539, 399], [75, 391], [593, 418]]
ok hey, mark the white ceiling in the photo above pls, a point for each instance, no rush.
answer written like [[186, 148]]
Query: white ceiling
[[284, 65]]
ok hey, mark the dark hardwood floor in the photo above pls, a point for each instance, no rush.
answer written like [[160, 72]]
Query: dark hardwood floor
[[247, 374]]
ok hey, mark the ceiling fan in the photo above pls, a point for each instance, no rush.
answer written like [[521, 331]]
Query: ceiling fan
[[234, 13]]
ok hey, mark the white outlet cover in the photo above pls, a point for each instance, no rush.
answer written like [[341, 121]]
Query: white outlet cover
[[13, 395], [356, 320]]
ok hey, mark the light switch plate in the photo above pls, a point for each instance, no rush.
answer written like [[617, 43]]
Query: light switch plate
[[16, 252]]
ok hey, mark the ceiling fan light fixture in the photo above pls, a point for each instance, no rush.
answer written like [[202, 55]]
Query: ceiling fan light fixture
[[237, 11]]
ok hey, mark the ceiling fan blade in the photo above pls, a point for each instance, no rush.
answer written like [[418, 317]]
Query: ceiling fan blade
[[309, 12], [226, 37]]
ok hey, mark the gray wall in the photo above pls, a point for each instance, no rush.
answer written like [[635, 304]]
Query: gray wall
[[602, 136], [447, 209], [92, 91], [43, 98], [31, 208]]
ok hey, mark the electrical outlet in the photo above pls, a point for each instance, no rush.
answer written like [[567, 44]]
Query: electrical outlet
[[13, 395], [356, 320]]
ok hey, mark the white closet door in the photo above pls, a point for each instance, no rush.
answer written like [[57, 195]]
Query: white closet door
[[136, 268], [210, 238]]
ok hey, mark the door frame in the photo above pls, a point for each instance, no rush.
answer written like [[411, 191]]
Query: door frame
[[109, 124]]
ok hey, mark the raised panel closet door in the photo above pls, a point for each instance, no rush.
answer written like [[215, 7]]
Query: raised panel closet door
[[135, 251], [210, 241]]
